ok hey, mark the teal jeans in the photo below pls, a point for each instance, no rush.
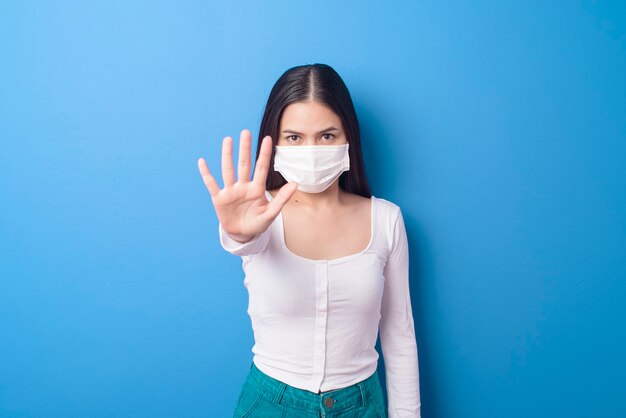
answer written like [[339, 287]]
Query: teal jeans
[[263, 396]]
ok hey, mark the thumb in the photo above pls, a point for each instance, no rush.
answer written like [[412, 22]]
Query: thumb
[[281, 199]]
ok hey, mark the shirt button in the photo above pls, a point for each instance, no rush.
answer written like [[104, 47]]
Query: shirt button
[[329, 402]]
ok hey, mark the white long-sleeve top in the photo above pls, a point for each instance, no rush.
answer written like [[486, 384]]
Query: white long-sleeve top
[[315, 322]]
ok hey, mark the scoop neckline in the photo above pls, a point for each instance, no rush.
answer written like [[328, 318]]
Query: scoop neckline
[[328, 260]]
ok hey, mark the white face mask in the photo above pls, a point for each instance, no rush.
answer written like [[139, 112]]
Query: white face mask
[[313, 167]]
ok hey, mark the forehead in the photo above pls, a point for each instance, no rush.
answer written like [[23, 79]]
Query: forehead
[[305, 116]]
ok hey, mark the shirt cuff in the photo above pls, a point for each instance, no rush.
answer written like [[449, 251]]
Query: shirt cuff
[[255, 245]]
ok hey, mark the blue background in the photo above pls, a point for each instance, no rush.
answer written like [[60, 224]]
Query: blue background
[[498, 127]]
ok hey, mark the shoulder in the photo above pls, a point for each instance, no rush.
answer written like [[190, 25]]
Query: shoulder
[[390, 223], [387, 210]]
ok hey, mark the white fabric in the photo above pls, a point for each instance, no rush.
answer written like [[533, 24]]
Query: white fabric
[[315, 322], [313, 167]]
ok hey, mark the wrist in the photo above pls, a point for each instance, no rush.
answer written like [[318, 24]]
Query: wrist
[[242, 238]]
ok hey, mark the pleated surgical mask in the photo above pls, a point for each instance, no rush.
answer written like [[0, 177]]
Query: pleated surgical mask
[[313, 167]]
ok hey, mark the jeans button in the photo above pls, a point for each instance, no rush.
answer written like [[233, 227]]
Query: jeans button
[[329, 402]]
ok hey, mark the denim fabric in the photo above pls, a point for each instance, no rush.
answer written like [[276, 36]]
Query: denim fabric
[[263, 396]]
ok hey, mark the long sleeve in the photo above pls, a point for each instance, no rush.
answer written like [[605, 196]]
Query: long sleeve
[[397, 333], [257, 244]]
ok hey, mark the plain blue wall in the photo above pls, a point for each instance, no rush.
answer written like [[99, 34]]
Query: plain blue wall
[[498, 128]]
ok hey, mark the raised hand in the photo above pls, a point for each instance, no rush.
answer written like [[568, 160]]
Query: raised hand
[[241, 206]]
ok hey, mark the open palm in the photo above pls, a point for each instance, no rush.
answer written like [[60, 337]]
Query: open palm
[[241, 206]]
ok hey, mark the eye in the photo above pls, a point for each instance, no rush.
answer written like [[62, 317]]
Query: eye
[[328, 139], [291, 136]]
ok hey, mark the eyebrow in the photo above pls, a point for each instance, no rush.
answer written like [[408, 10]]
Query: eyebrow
[[330, 128]]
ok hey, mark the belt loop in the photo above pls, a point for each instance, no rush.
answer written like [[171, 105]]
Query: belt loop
[[279, 393], [363, 397]]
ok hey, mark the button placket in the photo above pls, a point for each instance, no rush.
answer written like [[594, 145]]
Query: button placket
[[321, 306]]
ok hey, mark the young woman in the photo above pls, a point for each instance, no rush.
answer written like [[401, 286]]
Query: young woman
[[326, 263]]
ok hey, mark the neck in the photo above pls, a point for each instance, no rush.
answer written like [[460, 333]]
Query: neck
[[330, 197]]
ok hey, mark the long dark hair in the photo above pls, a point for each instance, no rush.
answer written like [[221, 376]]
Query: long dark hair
[[320, 83]]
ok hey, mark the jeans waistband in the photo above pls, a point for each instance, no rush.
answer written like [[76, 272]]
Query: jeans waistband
[[336, 400]]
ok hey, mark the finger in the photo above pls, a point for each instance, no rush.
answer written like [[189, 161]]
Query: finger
[[281, 198], [228, 173], [208, 179], [263, 162], [243, 169]]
